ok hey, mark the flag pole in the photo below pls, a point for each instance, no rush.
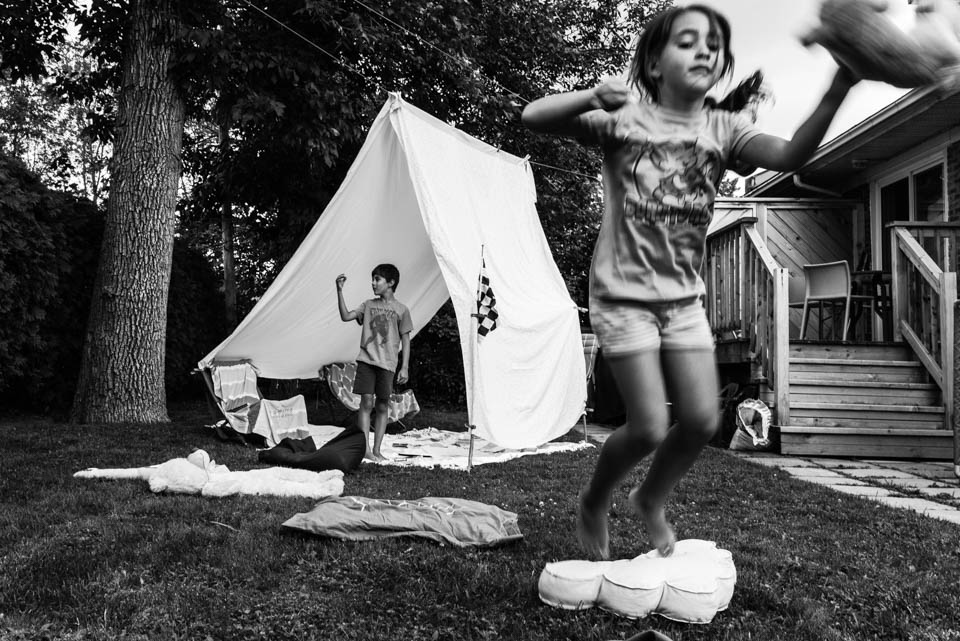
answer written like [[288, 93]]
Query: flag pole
[[476, 355], [486, 316]]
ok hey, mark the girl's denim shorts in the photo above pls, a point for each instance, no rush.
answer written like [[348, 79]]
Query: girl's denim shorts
[[630, 327]]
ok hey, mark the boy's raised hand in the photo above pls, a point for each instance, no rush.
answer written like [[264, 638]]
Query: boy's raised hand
[[341, 279], [611, 94]]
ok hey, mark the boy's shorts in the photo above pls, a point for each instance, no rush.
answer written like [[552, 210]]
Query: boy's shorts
[[371, 379], [629, 327]]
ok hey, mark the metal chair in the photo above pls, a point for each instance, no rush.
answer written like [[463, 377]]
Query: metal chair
[[829, 283], [590, 348]]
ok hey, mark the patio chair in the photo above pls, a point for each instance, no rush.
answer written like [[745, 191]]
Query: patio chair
[[829, 283]]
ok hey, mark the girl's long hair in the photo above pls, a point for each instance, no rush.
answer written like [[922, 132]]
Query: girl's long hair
[[654, 38]]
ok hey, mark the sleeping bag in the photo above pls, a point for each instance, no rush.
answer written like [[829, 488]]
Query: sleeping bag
[[343, 452]]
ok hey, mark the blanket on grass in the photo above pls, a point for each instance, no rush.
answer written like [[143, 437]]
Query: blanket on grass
[[459, 522], [432, 447], [199, 474]]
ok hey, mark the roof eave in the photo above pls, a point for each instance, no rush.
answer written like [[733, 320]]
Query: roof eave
[[912, 101]]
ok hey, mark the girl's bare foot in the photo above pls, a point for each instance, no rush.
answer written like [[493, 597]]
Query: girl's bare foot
[[655, 519], [369, 456], [592, 528]]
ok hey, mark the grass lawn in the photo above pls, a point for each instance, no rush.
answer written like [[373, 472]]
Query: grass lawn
[[107, 559]]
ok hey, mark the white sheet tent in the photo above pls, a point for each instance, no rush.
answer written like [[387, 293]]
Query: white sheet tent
[[429, 199]]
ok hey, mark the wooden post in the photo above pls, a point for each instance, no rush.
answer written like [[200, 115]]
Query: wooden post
[[781, 344], [898, 279], [470, 451], [955, 390], [948, 300], [760, 211]]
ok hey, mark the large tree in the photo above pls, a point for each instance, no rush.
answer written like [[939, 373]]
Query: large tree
[[122, 373]]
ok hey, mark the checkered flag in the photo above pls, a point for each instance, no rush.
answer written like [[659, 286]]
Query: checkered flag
[[486, 304]]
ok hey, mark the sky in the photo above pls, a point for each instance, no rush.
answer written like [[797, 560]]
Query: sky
[[765, 35]]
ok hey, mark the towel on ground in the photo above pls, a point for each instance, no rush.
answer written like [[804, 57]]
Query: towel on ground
[[199, 474]]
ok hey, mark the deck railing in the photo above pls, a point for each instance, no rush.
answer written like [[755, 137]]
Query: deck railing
[[747, 300], [938, 239], [924, 294]]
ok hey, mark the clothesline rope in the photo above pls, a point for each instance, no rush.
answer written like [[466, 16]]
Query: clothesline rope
[[379, 86]]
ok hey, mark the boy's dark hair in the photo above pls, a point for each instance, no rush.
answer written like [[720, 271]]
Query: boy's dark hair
[[387, 272], [654, 38]]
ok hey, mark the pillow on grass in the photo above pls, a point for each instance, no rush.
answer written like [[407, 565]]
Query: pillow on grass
[[861, 36]]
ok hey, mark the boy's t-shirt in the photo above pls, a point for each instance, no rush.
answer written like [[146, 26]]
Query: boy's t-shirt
[[383, 322], [660, 175]]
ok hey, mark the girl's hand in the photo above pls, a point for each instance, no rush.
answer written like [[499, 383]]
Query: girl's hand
[[610, 95], [341, 279]]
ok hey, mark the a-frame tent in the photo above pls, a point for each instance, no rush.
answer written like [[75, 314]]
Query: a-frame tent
[[432, 200]]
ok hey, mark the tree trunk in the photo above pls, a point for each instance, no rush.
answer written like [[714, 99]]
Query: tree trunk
[[122, 372], [226, 228]]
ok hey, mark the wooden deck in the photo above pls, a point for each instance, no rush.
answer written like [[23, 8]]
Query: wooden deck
[[878, 399]]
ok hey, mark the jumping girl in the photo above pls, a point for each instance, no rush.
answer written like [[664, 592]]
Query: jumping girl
[[663, 157]]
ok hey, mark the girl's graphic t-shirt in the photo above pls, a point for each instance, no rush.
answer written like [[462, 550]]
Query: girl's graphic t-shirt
[[383, 322], [660, 175]]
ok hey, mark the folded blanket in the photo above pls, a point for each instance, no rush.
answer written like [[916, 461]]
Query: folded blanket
[[199, 474]]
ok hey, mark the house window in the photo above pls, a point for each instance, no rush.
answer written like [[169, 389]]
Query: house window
[[918, 196], [894, 206], [928, 194]]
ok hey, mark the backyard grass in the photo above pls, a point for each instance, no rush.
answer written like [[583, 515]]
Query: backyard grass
[[108, 559]]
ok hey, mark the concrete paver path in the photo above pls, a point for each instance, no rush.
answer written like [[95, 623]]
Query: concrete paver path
[[930, 488]]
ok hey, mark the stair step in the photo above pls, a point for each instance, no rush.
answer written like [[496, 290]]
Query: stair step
[[830, 369], [864, 431], [873, 351], [924, 422], [866, 415], [891, 387], [878, 407], [812, 390], [896, 442], [862, 396], [860, 362]]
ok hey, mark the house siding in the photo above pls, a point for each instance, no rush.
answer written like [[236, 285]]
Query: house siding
[[953, 181]]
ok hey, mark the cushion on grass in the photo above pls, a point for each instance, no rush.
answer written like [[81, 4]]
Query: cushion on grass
[[860, 35], [456, 521], [691, 585]]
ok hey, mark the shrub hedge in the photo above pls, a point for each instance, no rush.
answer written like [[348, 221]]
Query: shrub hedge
[[49, 248]]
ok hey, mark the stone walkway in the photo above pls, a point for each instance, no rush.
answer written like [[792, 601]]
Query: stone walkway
[[928, 487]]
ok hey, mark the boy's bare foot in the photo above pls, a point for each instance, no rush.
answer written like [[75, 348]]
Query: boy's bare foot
[[655, 519], [377, 456], [592, 528]]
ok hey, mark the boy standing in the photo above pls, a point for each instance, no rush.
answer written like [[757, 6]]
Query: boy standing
[[386, 329]]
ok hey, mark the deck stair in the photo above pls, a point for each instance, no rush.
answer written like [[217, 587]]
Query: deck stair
[[864, 400]]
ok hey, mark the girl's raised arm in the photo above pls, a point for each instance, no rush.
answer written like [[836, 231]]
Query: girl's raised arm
[[773, 152], [557, 113]]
